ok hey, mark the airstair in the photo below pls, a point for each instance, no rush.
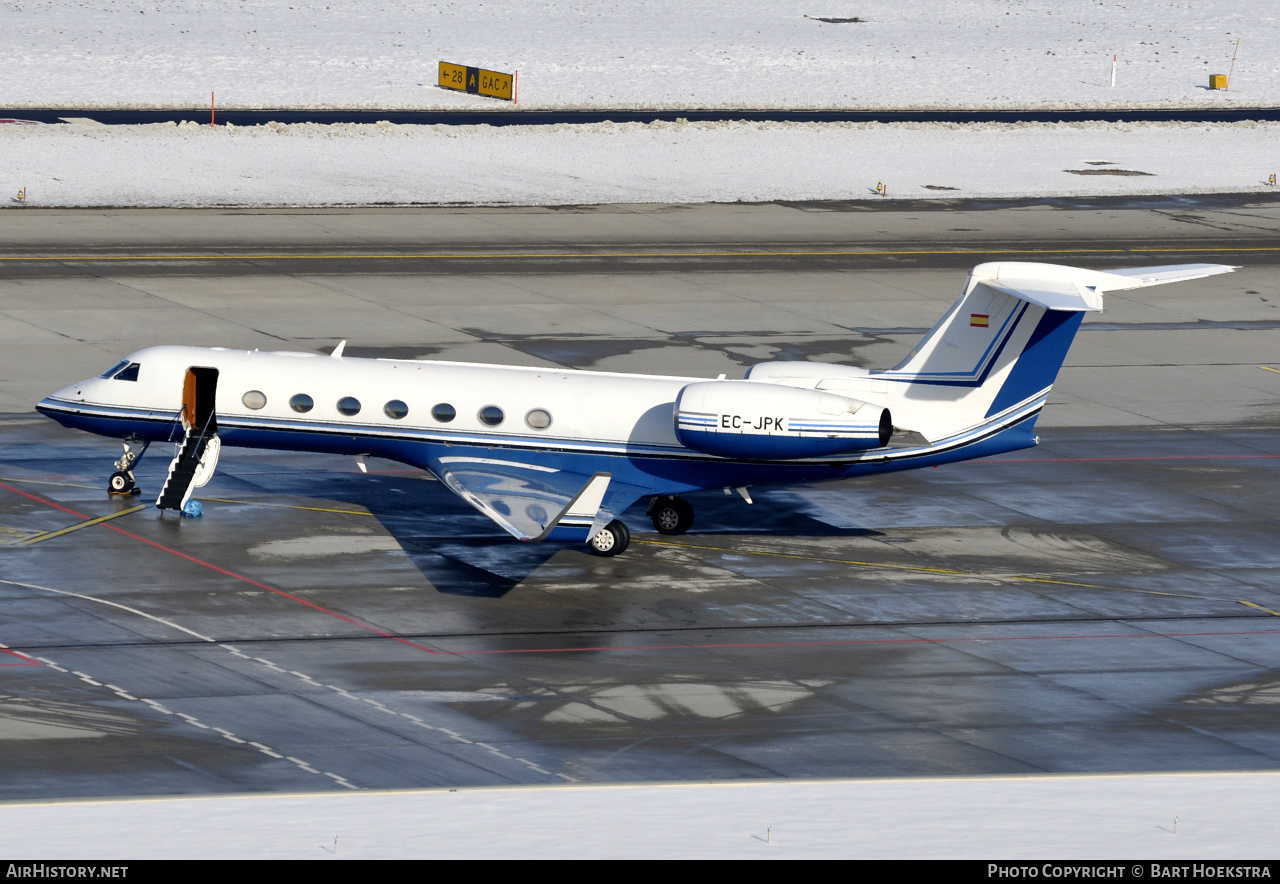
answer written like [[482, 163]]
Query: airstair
[[197, 457], [192, 467]]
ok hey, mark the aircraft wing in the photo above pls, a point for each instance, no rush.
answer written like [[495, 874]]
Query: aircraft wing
[[532, 501]]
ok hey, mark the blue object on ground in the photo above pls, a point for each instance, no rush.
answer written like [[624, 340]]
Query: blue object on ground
[[193, 509]]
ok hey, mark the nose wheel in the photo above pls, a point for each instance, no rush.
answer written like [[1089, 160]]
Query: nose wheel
[[121, 481], [671, 515]]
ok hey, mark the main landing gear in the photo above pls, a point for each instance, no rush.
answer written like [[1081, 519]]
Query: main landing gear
[[122, 481], [612, 540], [671, 515]]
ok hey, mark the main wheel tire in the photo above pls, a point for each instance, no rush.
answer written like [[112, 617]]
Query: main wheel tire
[[672, 516], [612, 540], [120, 483]]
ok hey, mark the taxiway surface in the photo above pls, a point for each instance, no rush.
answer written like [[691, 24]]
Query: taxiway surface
[[1106, 601]]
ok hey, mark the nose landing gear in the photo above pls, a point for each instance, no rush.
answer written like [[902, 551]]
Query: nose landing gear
[[122, 481], [671, 515]]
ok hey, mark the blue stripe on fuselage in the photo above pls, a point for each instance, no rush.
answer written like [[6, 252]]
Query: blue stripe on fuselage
[[659, 472]]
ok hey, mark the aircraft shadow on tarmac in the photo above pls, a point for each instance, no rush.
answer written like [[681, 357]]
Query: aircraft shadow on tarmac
[[460, 552], [457, 550]]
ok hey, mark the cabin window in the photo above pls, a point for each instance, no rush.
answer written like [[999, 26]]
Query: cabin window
[[302, 403], [254, 399], [539, 418], [395, 409], [115, 368], [491, 415], [130, 373], [349, 405], [444, 412]]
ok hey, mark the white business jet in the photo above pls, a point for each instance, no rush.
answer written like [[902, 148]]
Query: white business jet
[[558, 455]]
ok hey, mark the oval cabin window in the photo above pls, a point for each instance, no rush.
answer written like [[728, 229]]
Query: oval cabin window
[[491, 415], [539, 418], [395, 409], [254, 399], [302, 403], [349, 405], [444, 412]]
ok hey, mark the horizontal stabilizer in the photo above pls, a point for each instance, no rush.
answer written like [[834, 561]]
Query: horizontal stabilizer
[[1074, 289], [1051, 294], [1172, 272]]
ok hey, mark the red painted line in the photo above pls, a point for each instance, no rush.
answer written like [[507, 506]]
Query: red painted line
[[26, 661], [213, 567], [668, 647], [1104, 459], [44, 501], [870, 641]]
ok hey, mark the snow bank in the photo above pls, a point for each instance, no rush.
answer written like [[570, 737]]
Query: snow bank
[[645, 53], [311, 164], [1220, 816]]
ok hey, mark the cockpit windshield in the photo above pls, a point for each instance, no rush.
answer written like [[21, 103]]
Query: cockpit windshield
[[124, 370]]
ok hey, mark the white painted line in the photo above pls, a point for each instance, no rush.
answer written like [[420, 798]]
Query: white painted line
[[342, 781], [494, 751], [190, 719], [89, 598], [266, 750]]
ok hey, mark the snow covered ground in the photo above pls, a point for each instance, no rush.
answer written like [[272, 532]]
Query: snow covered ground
[[638, 53], [653, 53], [1219, 816], [308, 164]]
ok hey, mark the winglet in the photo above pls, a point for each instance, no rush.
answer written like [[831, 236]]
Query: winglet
[[337, 351], [583, 509]]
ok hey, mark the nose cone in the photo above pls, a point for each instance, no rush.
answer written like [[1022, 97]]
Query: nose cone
[[58, 404]]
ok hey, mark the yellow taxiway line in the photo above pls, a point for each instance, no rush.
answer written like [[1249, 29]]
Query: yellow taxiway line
[[746, 253], [923, 570], [289, 506], [49, 535]]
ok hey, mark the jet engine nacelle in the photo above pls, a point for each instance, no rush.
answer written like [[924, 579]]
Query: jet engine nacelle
[[754, 421]]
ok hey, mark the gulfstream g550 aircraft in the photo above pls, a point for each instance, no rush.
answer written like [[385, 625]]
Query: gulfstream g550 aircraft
[[558, 455]]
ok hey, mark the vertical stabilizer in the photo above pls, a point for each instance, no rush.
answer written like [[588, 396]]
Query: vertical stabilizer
[[995, 354]]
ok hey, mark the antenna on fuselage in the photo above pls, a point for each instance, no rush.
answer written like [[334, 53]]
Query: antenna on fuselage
[[337, 351]]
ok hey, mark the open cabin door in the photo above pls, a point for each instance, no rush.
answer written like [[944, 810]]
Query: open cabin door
[[197, 457], [199, 391]]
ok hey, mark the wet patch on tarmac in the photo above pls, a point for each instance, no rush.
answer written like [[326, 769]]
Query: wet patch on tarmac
[[319, 628]]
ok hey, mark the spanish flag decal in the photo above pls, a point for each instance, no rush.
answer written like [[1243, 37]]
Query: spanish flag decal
[[981, 320]]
